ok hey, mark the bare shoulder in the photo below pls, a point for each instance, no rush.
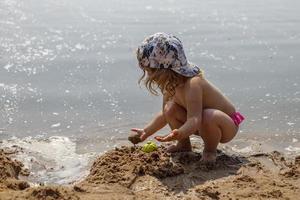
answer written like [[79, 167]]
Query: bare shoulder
[[195, 82], [193, 88]]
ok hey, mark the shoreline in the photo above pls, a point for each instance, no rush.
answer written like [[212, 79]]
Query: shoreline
[[128, 173]]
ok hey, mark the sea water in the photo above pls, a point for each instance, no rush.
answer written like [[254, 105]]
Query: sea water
[[68, 73]]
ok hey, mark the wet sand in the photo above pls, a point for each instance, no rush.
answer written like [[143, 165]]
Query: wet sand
[[129, 173]]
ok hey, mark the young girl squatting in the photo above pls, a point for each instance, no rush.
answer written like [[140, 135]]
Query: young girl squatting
[[191, 104]]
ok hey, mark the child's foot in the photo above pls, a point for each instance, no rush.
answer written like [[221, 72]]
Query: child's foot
[[209, 158], [180, 147]]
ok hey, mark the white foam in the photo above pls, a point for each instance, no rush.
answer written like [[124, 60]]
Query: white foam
[[247, 149], [51, 160], [292, 149], [294, 140]]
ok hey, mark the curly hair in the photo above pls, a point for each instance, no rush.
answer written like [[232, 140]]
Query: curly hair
[[166, 80]]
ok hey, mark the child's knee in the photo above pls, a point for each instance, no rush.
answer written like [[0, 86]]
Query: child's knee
[[171, 109], [168, 109], [225, 139], [228, 136], [208, 119]]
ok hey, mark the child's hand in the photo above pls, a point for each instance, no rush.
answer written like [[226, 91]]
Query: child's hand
[[141, 132], [174, 135]]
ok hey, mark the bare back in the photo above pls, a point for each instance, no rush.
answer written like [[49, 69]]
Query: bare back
[[211, 97]]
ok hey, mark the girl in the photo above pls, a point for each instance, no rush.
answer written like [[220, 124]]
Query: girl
[[191, 104]]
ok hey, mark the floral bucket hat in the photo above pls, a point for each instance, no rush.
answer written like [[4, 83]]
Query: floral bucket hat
[[165, 51]]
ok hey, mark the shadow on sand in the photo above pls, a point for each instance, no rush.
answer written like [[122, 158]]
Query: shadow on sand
[[196, 173]]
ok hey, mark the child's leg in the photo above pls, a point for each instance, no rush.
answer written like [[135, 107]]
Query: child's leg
[[176, 117], [217, 127]]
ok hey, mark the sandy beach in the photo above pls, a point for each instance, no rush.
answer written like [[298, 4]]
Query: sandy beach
[[129, 173], [69, 76], [69, 94]]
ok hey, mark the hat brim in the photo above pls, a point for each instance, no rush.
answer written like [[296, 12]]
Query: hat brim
[[188, 70]]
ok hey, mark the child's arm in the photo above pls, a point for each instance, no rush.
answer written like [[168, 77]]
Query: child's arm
[[193, 100], [157, 123]]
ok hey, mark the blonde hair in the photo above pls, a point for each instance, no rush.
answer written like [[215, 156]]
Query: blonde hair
[[166, 80]]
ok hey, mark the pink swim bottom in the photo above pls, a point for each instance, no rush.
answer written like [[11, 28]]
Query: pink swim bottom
[[237, 118]]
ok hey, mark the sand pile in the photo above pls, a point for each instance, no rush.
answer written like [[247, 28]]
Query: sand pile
[[129, 173], [265, 176], [51, 193], [123, 165], [9, 172], [195, 173]]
